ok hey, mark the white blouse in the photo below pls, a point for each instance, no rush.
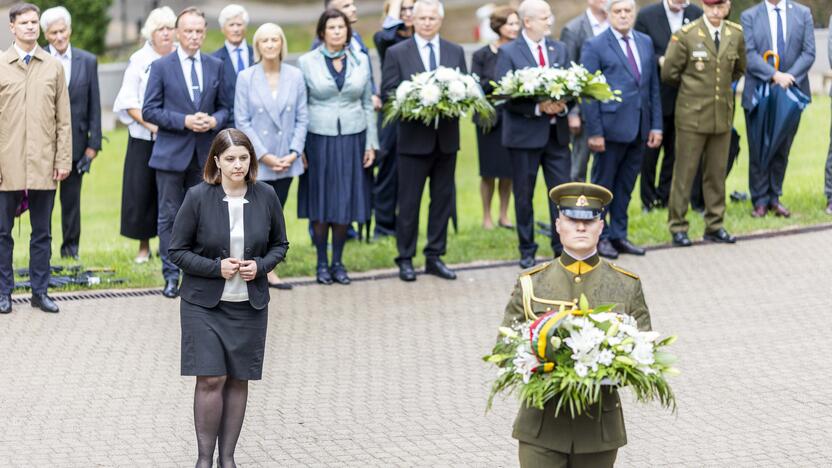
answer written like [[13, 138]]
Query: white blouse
[[131, 94], [235, 289]]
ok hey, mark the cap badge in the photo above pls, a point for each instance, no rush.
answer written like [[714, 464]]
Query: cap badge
[[582, 201]]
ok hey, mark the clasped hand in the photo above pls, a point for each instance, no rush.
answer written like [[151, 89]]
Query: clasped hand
[[552, 108], [246, 268], [784, 80], [200, 122]]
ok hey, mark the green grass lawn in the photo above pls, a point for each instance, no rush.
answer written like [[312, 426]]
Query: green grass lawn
[[102, 246]]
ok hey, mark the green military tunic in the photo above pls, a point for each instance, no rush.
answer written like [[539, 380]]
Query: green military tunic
[[544, 288], [704, 114]]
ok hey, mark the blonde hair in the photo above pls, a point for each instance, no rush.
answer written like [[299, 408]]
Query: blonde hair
[[262, 32], [157, 19]]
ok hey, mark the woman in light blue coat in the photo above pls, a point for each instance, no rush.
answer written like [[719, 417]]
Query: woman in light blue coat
[[270, 108], [341, 144]]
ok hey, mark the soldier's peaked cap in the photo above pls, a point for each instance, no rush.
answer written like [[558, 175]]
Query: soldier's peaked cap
[[581, 200]]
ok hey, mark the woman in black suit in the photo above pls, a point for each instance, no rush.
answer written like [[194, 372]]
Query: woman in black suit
[[227, 236], [495, 162]]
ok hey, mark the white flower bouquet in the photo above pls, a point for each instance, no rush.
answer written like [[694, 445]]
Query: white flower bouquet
[[442, 93], [575, 82], [569, 355]]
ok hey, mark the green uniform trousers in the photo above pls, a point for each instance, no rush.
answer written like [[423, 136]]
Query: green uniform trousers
[[532, 456], [691, 149]]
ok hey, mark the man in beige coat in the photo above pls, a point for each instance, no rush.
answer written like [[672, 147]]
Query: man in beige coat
[[35, 149]]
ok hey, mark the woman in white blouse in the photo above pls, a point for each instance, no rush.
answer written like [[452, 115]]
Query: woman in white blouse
[[138, 196]]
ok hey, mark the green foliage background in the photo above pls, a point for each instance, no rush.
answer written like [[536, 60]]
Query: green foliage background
[[89, 21]]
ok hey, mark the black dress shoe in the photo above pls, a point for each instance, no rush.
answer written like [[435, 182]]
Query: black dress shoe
[[322, 275], [171, 290], [527, 261], [434, 266], [44, 303], [606, 250], [681, 239], [721, 236], [339, 273], [626, 247], [5, 304], [70, 252], [406, 271]]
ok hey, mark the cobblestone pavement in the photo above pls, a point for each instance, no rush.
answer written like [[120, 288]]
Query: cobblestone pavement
[[383, 373]]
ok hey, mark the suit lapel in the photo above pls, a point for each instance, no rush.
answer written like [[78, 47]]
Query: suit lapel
[[415, 59], [552, 54], [75, 72], [586, 28], [765, 28], [705, 37], [664, 23], [524, 49], [790, 26], [261, 84]]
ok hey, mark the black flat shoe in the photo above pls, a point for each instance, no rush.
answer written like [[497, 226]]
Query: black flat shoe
[[5, 304], [435, 267], [721, 236], [171, 290], [322, 276], [339, 273], [406, 271], [282, 286], [623, 246], [681, 239], [44, 303], [606, 250]]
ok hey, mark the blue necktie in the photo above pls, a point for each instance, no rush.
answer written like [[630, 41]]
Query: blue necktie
[[781, 39], [240, 65], [431, 57], [195, 81], [27, 59]]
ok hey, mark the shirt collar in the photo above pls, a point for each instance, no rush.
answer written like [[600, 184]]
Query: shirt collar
[[579, 266], [593, 21], [22, 53], [671, 12], [183, 57], [232, 49], [711, 28], [781, 5], [619, 36], [422, 42], [532, 44], [66, 55]]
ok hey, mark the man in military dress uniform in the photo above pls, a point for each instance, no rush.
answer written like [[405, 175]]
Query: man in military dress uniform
[[591, 439], [703, 59]]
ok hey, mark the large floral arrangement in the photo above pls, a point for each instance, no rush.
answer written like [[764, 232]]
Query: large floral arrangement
[[441, 93], [575, 82], [568, 355]]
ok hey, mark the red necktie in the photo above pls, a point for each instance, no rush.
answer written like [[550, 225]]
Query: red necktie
[[540, 56]]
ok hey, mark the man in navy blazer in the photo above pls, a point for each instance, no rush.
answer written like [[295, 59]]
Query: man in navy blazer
[[617, 130], [81, 71], [186, 99], [535, 133], [424, 151], [235, 53], [787, 29]]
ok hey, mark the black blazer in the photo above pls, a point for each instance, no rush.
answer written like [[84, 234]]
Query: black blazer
[[652, 20], [84, 102], [201, 237], [229, 76], [400, 63]]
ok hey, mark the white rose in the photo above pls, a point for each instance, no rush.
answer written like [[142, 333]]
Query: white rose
[[456, 91], [430, 94], [403, 90]]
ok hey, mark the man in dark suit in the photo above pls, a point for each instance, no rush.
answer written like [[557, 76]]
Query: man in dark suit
[[535, 133], [660, 21], [424, 151], [81, 71], [576, 32], [186, 99], [787, 29], [235, 53], [618, 130]]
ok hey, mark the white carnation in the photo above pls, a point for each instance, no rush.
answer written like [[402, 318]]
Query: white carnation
[[456, 91], [446, 74], [403, 90], [429, 94]]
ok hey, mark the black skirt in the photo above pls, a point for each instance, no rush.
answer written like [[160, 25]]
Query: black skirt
[[229, 339], [139, 207], [495, 160]]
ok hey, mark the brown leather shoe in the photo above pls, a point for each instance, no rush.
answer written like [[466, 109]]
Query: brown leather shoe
[[759, 211], [780, 210]]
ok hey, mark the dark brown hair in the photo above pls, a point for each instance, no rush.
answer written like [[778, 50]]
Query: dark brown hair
[[21, 8], [190, 10], [327, 15], [499, 17], [226, 139]]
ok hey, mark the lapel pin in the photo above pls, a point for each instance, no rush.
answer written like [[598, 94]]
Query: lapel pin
[[686, 21], [551, 48]]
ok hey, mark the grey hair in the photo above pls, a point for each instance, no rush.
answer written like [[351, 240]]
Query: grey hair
[[157, 19], [435, 3], [609, 4], [527, 6], [54, 14], [232, 11]]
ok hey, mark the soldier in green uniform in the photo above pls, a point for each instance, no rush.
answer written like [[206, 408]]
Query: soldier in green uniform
[[591, 439], [703, 59]]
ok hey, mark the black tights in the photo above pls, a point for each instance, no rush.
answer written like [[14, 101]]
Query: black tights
[[320, 233], [219, 409]]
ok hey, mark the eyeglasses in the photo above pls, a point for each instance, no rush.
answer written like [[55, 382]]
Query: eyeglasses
[[403, 9]]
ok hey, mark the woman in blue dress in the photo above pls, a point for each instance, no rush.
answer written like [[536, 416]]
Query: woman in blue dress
[[340, 143]]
